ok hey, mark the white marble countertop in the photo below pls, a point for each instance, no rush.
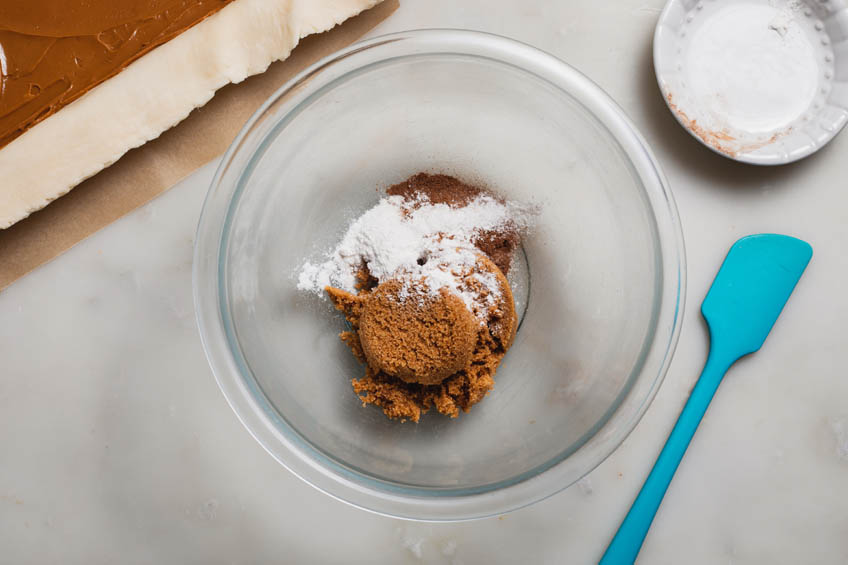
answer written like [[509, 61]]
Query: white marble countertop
[[116, 445]]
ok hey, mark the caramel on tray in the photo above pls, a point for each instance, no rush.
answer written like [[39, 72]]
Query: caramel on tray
[[54, 51]]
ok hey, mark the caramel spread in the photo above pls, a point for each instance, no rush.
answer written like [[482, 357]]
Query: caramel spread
[[53, 51]]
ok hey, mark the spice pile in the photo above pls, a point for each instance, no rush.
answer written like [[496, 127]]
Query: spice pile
[[421, 279]]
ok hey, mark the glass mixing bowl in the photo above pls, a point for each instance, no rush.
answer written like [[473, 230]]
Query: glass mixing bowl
[[604, 270]]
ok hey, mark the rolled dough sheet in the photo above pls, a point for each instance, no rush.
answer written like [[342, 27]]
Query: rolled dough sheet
[[153, 94]]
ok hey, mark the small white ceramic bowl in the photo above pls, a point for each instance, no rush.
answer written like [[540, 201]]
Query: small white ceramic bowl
[[763, 82]]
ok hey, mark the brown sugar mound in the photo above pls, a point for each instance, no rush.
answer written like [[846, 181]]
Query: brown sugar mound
[[459, 391], [418, 339]]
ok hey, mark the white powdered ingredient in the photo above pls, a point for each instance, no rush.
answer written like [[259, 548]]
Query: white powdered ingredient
[[752, 67], [426, 246]]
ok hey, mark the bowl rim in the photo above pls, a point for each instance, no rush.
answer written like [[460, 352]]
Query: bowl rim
[[346, 484]]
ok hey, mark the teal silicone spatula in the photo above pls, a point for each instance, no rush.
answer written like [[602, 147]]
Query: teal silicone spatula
[[754, 282]]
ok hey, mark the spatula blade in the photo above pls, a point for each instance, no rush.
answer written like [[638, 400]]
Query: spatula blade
[[752, 286]]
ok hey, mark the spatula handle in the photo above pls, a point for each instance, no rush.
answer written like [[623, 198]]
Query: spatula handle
[[628, 539]]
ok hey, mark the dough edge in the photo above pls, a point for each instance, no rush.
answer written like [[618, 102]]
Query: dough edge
[[94, 131]]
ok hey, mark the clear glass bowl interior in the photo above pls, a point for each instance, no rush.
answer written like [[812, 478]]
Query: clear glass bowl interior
[[604, 264]]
